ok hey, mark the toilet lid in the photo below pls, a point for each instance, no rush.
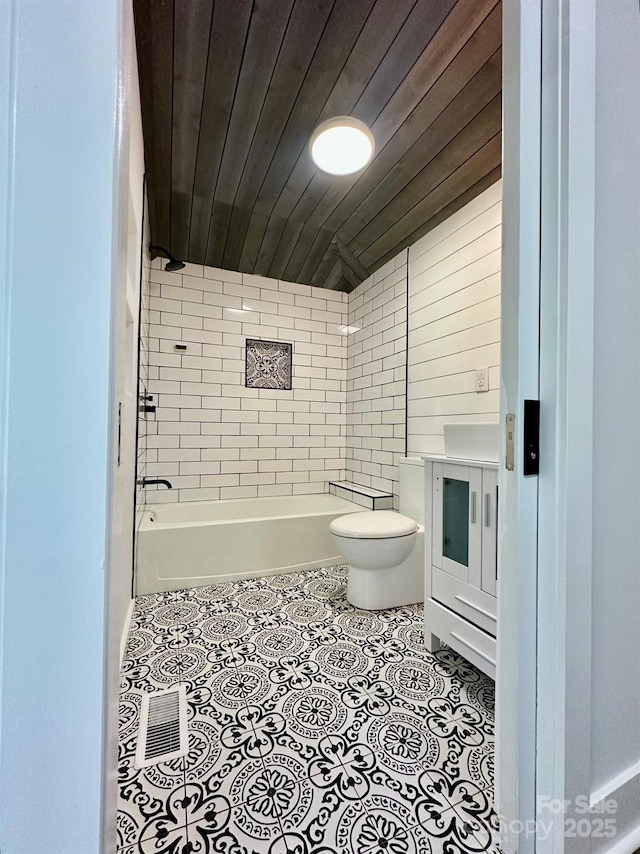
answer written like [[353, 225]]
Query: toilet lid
[[373, 525]]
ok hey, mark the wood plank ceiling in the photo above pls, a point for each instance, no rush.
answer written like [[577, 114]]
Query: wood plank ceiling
[[232, 90]]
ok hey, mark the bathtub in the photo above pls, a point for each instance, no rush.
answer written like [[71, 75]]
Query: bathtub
[[205, 542]]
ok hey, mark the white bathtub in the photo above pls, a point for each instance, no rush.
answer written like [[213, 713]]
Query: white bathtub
[[205, 542]]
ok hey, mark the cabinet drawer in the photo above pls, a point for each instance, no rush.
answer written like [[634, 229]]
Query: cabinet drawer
[[473, 644], [474, 605]]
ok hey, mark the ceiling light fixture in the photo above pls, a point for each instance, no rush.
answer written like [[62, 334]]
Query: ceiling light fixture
[[342, 146]]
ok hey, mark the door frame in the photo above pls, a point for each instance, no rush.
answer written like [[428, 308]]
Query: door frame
[[570, 271], [567, 385], [518, 495]]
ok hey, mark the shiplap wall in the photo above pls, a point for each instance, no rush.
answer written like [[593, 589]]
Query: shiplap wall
[[454, 322], [214, 437], [376, 377]]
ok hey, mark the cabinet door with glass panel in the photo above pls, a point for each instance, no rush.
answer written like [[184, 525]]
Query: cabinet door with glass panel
[[457, 522]]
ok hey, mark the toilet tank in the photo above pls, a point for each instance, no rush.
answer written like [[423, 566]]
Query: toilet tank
[[411, 488]]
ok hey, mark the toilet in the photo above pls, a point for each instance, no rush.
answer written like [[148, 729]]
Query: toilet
[[385, 548]]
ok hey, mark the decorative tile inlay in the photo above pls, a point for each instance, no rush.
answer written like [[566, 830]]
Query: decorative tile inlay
[[314, 727], [268, 364]]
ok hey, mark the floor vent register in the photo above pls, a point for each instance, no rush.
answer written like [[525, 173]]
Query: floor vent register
[[163, 727]]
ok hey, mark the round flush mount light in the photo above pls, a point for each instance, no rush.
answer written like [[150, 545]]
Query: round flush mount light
[[342, 146]]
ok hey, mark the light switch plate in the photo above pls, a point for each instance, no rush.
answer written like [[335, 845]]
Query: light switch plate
[[482, 379]]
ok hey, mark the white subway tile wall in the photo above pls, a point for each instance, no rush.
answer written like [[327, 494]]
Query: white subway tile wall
[[146, 423], [212, 437], [454, 322], [376, 377]]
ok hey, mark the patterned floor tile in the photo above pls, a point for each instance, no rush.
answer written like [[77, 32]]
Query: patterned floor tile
[[414, 680], [305, 612], [314, 727], [388, 825], [401, 743], [414, 811], [314, 712], [158, 667], [216, 824], [151, 802], [467, 821], [218, 748], [318, 821], [340, 660], [460, 791]]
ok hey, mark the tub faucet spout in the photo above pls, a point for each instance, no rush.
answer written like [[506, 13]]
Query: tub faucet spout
[[150, 481]]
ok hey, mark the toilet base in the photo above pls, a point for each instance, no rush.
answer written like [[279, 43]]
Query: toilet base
[[376, 589]]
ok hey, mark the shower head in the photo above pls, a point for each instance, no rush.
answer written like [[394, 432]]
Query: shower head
[[173, 265]]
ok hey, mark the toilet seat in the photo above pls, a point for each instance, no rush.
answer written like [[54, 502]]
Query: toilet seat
[[373, 525]]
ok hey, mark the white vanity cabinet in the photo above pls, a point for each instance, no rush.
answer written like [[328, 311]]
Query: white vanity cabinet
[[461, 504]]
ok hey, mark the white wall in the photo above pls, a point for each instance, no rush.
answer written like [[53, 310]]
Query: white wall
[[59, 114], [616, 427], [376, 377], [454, 322], [7, 38], [590, 386], [125, 332], [216, 438]]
